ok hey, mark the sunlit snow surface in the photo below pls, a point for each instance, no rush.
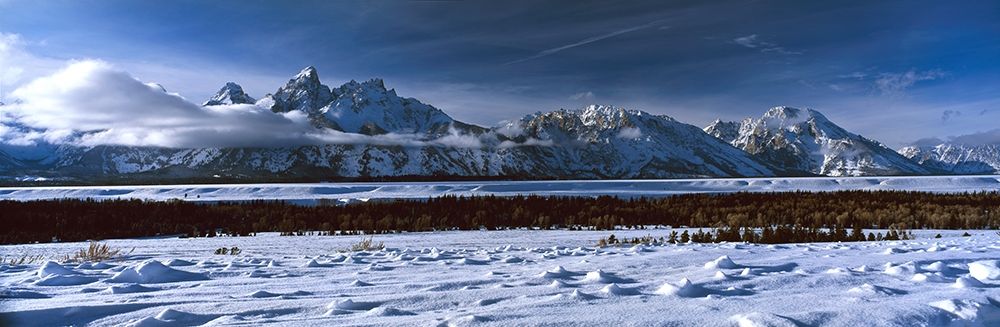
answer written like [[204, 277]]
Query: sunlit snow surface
[[511, 278], [625, 188]]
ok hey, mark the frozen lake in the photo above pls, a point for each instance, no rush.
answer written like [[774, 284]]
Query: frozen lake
[[624, 188]]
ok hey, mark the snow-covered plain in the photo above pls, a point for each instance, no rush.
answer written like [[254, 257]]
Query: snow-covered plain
[[623, 188], [511, 278]]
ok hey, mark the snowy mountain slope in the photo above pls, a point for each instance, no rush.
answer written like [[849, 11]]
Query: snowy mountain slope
[[369, 108], [231, 93], [366, 108], [591, 143], [595, 142], [806, 141], [957, 158], [303, 92], [610, 142]]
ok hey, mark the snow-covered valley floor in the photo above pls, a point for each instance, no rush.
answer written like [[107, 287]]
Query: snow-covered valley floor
[[511, 278], [310, 192]]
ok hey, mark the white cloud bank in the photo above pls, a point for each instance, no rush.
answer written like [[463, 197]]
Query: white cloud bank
[[92, 103]]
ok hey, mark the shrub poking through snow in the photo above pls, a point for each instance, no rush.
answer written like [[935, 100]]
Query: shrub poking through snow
[[230, 251], [97, 252], [612, 240], [22, 260], [366, 244]]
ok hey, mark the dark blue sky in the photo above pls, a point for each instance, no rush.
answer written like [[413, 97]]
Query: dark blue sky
[[895, 71]]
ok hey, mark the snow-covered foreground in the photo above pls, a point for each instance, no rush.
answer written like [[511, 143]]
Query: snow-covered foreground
[[512, 278], [624, 188]]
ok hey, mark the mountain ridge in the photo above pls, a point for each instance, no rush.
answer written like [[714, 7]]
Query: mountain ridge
[[593, 142], [804, 140]]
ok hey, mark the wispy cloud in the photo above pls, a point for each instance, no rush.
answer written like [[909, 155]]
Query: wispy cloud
[[754, 42], [894, 83], [582, 96], [949, 115], [586, 41]]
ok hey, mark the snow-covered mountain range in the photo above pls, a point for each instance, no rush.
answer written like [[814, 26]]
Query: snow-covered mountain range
[[805, 141], [588, 143], [957, 158]]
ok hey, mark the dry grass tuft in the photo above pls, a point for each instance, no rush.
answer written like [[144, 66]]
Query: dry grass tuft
[[22, 260], [97, 252], [366, 244]]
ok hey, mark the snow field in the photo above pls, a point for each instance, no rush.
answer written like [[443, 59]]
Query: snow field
[[347, 192], [511, 278]]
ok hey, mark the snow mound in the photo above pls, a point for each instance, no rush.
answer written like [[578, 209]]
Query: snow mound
[[937, 247], [936, 266], [837, 271], [179, 263], [967, 282], [969, 312], [467, 261], [132, 288], [578, 295], [263, 294], [314, 264], [93, 265], [152, 272], [359, 283], [869, 289], [560, 284], [51, 268], [512, 260], [171, 317], [614, 289], [389, 312], [599, 276], [760, 319], [935, 277], [684, 288], [64, 280], [723, 262], [558, 272], [352, 305], [985, 270], [905, 269]]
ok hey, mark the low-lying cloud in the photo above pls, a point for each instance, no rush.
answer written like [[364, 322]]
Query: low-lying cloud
[[91, 103]]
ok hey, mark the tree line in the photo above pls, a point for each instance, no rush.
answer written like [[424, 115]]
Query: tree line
[[76, 220]]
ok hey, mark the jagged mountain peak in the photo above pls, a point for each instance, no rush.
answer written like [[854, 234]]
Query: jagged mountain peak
[[727, 131], [804, 140], [369, 108], [308, 73], [607, 116], [628, 142], [956, 157], [303, 92], [787, 117], [374, 85], [231, 93]]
